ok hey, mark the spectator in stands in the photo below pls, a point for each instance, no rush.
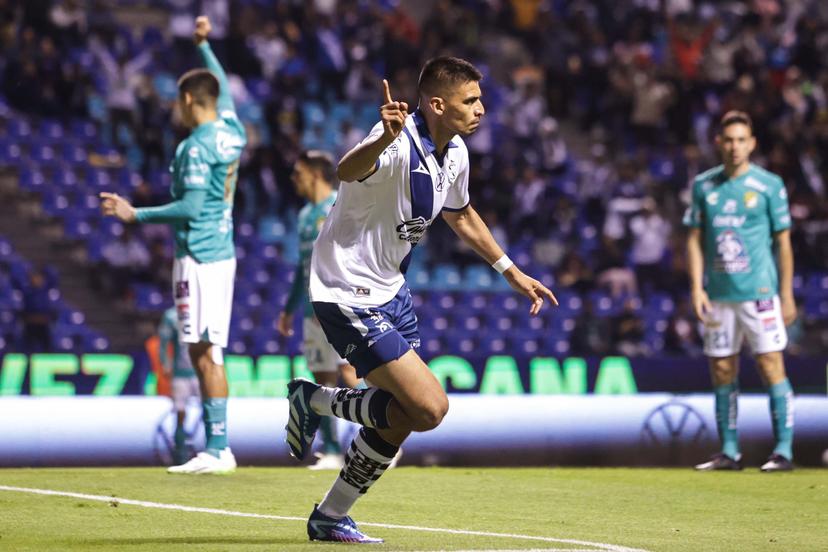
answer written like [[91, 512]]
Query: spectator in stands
[[122, 77], [125, 260], [682, 336], [650, 237], [38, 314], [589, 336], [628, 330]]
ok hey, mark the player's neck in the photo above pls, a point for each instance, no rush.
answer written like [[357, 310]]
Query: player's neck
[[737, 170], [440, 136], [320, 193], [202, 116]]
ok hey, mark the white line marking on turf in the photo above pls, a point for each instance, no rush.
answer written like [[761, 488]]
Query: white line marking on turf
[[100, 498]]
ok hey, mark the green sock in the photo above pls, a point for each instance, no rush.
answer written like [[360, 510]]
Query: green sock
[[782, 415], [726, 412], [215, 424], [180, 437], [330, 444]]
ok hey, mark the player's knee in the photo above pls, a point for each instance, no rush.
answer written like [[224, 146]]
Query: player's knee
[[432, 414]]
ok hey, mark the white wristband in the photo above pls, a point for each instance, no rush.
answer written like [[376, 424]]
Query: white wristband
[[502, 264]]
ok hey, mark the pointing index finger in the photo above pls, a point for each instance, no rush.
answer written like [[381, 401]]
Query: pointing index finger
[[386, 91]]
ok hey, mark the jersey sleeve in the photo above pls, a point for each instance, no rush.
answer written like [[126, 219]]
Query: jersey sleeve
[[195, 171], [390, 162], [780, 216], [693, 214], [457, 198], [225, 100]]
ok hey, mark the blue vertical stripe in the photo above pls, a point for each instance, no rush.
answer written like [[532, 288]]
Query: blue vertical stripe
[[422, 191]]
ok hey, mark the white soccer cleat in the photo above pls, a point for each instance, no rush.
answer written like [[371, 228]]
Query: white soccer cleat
[[206, 463], [328, 462]]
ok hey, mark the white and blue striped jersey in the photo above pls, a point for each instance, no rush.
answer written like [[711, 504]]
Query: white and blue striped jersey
[[363, 250]]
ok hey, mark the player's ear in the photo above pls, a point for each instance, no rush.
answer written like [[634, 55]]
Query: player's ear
[[187, 99], [438, 105]]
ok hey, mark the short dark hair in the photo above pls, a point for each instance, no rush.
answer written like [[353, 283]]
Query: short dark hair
[[445, 71], [201, 84], [734, 117], [321, 161]]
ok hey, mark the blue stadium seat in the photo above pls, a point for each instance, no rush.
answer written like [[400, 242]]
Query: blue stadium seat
[[265, 341], [76, 227], [32, 180], [446, 276], [478, 277], [83, 130], [51, 130]]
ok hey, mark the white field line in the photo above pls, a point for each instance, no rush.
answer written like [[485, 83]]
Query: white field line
[[594, 546]]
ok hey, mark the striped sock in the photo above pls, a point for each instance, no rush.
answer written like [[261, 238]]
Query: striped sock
[[366, 460], [366, 407]]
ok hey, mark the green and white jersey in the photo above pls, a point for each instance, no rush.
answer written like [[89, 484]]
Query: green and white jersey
[[738, 217], [168, 335], [208, 160], [309, 223]]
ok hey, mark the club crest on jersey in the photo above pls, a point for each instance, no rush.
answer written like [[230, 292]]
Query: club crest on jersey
[[731, 256], [412, 230], [441, 181], [713, 198], [751, 199]]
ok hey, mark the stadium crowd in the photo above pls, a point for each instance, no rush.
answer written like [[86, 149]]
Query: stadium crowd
[[599, 114]]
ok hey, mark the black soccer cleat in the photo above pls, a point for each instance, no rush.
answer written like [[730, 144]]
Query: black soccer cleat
[[776, 463], [721, 461]]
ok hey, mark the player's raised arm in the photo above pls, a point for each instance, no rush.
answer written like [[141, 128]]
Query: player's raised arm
[[361, 161], [468, 225], [203, 28]]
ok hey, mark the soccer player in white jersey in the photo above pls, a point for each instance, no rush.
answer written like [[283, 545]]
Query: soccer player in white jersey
[[204, 173], [738, 215], [408, 170]]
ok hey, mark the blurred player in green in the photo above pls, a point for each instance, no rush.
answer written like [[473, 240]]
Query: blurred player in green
[[177, 366], [204, 182], [738, 215], [314, 176]]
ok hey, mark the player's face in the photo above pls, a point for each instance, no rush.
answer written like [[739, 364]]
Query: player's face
[[463, 108], [736, 143], [302, 177]]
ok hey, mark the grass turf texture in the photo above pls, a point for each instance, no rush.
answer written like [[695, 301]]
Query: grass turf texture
[[658, 510]]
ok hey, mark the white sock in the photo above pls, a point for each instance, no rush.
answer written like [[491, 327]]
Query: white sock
[[339, 500], [320, 401]]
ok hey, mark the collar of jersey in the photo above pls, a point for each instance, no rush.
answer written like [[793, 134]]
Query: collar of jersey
[[425, 135], [203, 126]]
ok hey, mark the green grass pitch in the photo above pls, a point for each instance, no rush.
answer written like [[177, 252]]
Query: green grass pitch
[[657, 510]]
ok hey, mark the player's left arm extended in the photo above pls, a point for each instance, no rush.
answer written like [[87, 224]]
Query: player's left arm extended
[[785, 266], [468, 225], [211, 62]]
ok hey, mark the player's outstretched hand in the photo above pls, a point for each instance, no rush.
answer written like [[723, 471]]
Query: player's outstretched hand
[[701, 305], [285, 324], [393, 113], [531, 288], [788, 309], [202, 29], [114, 205]]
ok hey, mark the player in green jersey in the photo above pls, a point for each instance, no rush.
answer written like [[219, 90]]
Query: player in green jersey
[[738, 215], [204, 182], [314, 176], [184, 383]]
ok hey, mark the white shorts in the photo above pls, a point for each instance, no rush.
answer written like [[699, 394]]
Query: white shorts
[[203, 295], [320, 354], [758, 321], [182, 390]]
